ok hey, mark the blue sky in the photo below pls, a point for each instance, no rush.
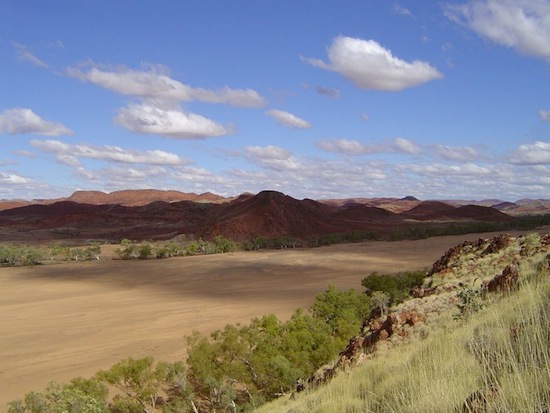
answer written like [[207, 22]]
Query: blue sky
[[316, 99]]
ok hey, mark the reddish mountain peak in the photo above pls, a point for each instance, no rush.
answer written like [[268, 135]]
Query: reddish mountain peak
[[243, 197], [269, 214], [429, 209], [361, 212], [89, 197], [139, 197], [480, 213]]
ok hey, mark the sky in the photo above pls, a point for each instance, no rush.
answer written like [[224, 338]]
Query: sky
[[316, 99]]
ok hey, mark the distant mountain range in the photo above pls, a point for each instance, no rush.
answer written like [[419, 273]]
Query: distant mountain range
[[154, 214]]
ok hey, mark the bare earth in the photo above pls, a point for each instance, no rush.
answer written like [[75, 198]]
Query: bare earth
[[67, 320]]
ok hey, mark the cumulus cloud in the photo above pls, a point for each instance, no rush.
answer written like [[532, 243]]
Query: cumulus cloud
[[153, 84], [272, 157], [467, 169], [10, 179], [544, 115], [114, 178], [456, 154], [370, 66], [345, 147], [69, 154], [25, 55], [520, 24], [267, 152], [148, 119], [405, 146], [24, 121], [287, 119], [356, 148], [536, 153]]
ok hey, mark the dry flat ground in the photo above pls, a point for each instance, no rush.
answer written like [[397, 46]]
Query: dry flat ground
[[73, 319]]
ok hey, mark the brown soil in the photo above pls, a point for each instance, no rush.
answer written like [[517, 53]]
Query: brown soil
[[67, 320]]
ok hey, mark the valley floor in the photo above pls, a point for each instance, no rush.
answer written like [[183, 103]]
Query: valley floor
[[73, 319]]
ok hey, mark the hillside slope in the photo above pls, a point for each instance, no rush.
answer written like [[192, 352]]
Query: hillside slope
[[474, 338]]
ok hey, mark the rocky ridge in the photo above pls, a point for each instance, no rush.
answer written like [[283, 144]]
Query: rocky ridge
[[484, 266]]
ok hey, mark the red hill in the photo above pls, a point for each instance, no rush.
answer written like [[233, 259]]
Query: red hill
[[270, 214], [427, 210]]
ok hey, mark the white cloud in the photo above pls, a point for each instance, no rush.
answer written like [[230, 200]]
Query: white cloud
[[272, 157], [405, 146], [520, 24], [119, 178], [25, 55], [154, 85], [468, 169], [544, 115], [24, 121], [356, 148], [536, 153], [10, 179], [370, 66], [147, 119], [287, 119], [345, 147], [456, 154], [69, 154], [364, 117], [267, 152]]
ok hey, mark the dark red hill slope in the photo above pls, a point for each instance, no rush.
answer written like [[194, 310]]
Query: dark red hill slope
[[428, 210], [268, 214], [271, 214], [435, 210]]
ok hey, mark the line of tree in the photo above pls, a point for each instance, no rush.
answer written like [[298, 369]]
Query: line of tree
[[18, 255], [134, 250], [523, 222]]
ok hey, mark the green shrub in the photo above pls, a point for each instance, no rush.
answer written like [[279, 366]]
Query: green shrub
[[72, 398], [397, 286], [145, 251]]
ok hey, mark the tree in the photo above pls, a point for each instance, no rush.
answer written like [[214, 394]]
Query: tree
[[223, 244], [145, 251], [215, 364], [343, 311], [140, 382], [308, 342], [58, 398], [128, 250], [397, 286], [380, 300]]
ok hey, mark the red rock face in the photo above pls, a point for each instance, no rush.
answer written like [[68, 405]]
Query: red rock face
[[504, 282]]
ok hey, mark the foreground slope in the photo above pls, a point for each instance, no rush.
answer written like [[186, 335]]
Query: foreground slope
[[474, 338]]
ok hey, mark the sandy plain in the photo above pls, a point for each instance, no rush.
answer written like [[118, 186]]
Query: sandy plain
[[62, 321]]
